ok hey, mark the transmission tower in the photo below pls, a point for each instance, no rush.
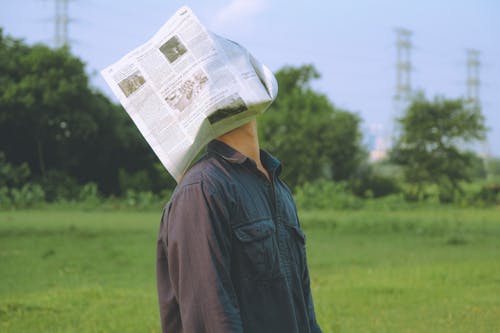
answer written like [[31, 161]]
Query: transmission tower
[[403, 64], [403, 76], [61, 23], [473, 81], [472, 97]]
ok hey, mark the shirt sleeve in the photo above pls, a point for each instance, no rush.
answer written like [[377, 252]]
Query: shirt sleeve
[[197, 239]]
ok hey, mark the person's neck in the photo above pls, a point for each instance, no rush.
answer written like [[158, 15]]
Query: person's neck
[[245, 140]]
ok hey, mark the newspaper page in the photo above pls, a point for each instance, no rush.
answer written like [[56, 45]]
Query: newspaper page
[[186, 86]]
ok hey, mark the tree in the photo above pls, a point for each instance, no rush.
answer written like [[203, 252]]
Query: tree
[[428, 147], [311, 137], [53, 120], [493, 167], [43, 91]]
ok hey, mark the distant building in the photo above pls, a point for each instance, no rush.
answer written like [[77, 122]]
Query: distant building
[[377, 142]]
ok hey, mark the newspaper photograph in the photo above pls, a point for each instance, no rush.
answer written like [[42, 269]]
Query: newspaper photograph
[[186, 86]]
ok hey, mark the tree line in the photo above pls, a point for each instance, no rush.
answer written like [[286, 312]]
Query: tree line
[[66, 132], [60, 133]]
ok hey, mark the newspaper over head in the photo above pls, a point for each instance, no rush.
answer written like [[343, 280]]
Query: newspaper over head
[[186, 86]]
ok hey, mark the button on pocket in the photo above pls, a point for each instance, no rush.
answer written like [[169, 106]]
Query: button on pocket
[[299, 234], [297, 247], [258, 256]]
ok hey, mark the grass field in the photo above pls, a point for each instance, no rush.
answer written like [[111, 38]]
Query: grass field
[[372, 271]]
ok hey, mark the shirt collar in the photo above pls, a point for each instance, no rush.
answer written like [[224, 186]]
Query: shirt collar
[[271, 163], [226, 152], [231, 155]]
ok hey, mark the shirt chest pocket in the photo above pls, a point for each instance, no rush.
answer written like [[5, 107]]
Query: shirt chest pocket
[[296, 245], [258, 257]]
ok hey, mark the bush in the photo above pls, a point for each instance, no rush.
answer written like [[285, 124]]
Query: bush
[[11, 175], [375, 186], [59, 186], [28, 196], [493, 167], [141, 200], [5, 200], [489, 194], [325, 195], [390, 203], [89, 195], [138, 181], [376, 180]]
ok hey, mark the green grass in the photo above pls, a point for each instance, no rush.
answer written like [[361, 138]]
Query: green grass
[[372, 270]]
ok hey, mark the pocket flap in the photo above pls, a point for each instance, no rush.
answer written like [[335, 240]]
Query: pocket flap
[[255, 231]]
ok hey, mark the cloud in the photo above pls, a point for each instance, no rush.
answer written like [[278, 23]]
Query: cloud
[[238, 12]]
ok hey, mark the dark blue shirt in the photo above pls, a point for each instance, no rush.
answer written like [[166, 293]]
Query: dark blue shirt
[[231, 254]]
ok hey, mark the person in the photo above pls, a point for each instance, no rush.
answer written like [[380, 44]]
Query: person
[[231, 254]]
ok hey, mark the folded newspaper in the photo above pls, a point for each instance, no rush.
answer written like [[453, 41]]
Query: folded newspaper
[[186, 86]]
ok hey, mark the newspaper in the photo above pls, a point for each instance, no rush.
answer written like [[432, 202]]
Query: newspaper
[[186, 86]]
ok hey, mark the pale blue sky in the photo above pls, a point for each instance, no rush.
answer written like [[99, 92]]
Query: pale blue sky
[[351, 43]]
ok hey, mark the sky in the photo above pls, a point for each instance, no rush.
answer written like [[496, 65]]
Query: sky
[[351, 43]]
